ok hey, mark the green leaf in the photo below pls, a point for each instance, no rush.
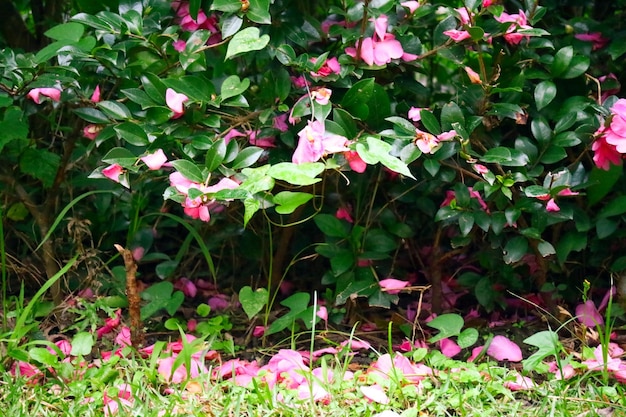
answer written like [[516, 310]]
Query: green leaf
[[92, 115], [253, 302], [545, 92], [70, 31], [577, 67], [541, 131], [246, 40], [41, 164], [548, 343], [215, 155], [115, 110], [562, 60], [228, 6], [332, 226], [515, 249], [189, 170], [615, 207], [467, 338], [505, 156], [602, 182], [120, 156], [570, 241], [258, 12], [159, 296], [466, 223], [451, 113], [166, 269], [233, 86], [247, 157], [251, 206], [82, 343], [430, 122], [288, 201], [297, 174], [553, 155], [43, 356], [449, 325], [131, 133]]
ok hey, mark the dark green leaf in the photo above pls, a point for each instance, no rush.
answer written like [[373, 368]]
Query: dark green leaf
[[131, 133], [451, 113], [41, 164], [189, 170], [430, 122], [562, 60], [247, 157], [288, 201], [115, 110], [120, 156], [245, 41], [515, 249], [332, 226], [545, 92]]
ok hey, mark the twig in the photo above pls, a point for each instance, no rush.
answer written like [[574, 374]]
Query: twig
[[136, 332]]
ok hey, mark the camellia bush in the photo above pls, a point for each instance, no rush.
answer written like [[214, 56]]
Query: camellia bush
[[361, 148]]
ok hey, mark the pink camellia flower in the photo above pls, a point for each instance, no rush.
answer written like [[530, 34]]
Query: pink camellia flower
[[503, 349], [596, 38], [464, 15], [258, 331], [53, 93], [314, 143], [615, 133], [179, 45], [357, 164], [457, 35], [428, 143], [552, 206], [411, 5], [321, 95], [113, 172], [261, 142], [330, 66], [518, 21], [110, 324], [175, 102], [298, 82], [199, 207], [95, 97], [481, 169], [280, 122], [392, 285], [92, 131], [381, 48], [415, 114], [605, 154], [155, 160]]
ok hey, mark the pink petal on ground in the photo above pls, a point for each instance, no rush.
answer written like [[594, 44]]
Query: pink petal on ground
[[521, 383], [392, 285], [588, 314], [449, 348], [503, 349], [123, 337], [475, 352], [375, 393]]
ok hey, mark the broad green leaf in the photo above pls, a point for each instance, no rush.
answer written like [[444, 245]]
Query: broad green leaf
[[70, 31], [381, 149], [541, 131], [92, 115], [545, 92], [233, 86], [230, 25], [258, 12], [82, 343], [115, 110], [342, 261], [247, 157], [505, 156], [166, 269], [253, 302], [562, 60], [120, 156], [448, 325], [515, 249], [466, 223], [246, 40], [332, 226], [229, 6], [215, 155], [131, 133], [548, 343], [602, 182], [553, 155], [139, 96], [288, 201], [430, 122], [570, 241], [43, 356], [297, 174], [41, 164], [251, 206], [189, 170], [467, 338], [159, 296], [451, 113], [577, 67]]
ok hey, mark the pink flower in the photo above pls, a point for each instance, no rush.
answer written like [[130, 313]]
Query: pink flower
[[321, 95], [92, 131], [588, 314], [155, 160], [381, 48], [521, 383], [322, 313], [457, 35], [487, 3], [411, 5], [518, 21], [596, 38], [175, 102], [299, 82], [264, 142], [314, 143], [343, 213], [481, 169], [95, 97], [473, 75], [392, 285], [615, 134], [415, 114], [123, 337], [186, 286], [53, 93], [179, 45], [605, 154], [109, 324], [280, 122], [233, 133], [258, 331], [463, 15], [428, 143], [330, 66], [219, 302], [357, 164], [503, 349], [113, 172], [552, 206]]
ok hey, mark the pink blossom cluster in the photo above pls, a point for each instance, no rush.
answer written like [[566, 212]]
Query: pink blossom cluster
[[200, 207], [516, 22], [610, 143], [451, 196], [381, 48]]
